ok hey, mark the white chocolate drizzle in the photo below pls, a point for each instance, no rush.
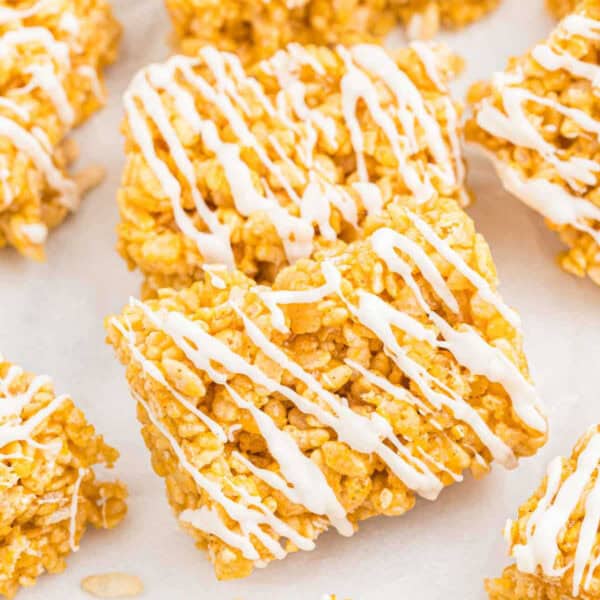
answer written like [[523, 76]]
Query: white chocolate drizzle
[[298, 477], [551, 516], [563, 203], [296, 208], [15, 428], [47, 74], [73, 509]]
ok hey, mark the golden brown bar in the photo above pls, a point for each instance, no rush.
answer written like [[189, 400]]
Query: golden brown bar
[[255, 29], [363, 378], [49, 493], [51, 56], [555, 538], [540, 123], [257, 168]]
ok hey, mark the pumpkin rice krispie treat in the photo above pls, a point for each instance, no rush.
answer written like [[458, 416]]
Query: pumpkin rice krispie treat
[[555, 538], [51, 55], [361, 379], [255, 29], [256, 168], [540, 123], [48, 490]]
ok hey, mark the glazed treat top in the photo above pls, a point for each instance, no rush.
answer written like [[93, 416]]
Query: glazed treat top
[[406, 294], [50, 52], [313, 139], [559, 126], [48, 489], [556, 534]]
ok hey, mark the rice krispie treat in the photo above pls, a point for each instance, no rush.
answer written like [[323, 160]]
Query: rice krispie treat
[[51, 55], [555, 540], [48, 490], [255, 29], [256, 168], [540, 121], [361, 379]]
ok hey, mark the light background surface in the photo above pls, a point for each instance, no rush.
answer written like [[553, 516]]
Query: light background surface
[[51, 322]]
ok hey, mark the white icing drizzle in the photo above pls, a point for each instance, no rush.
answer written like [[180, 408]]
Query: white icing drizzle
[[455, 259], [27, 143], [8, 14], [151, 370], [427, 56], [544, 526], [467, 346], [250, 513], [553, 200], [365, 65], [19, 110], [577, 24], [513, 125], [73, 509], [92, 75], [12, 426], [44, 77], [552, 60]]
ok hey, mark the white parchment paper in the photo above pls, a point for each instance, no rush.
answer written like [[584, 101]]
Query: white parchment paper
[[51, 322]]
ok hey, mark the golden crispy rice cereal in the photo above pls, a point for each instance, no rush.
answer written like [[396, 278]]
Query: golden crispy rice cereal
[[540, 123], [51, 56], [361, 379], [555, 539], [255, 29], [423, 18], [561, 8], [49, 493], [256, 168]]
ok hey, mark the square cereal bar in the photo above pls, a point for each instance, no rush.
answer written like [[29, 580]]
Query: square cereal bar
[[555, 539], [361, 379], [540, 123], [51, 55], [256, 168], [48, 489], [255, 29]]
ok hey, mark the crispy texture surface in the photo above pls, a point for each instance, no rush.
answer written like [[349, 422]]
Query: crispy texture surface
[[291, 135], [177, 390], [539, 122], [49, 493], [560, 8], [50, 81], [570, 490], [256, 28]]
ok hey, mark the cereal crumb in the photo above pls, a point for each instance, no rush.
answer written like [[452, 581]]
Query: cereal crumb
[[113, 585]]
